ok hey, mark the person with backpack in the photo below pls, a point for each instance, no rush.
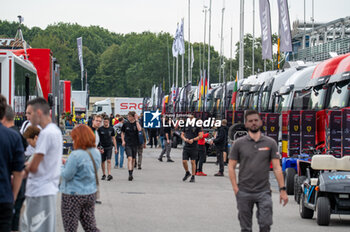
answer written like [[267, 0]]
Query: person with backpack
[[130, 138]]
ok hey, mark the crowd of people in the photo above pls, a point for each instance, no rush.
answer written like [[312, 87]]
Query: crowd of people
[[33, 169]]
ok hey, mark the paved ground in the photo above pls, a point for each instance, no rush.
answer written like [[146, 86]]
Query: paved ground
[[158, 200]]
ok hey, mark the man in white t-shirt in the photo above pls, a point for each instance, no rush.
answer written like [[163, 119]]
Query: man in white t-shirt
[[43, 171]]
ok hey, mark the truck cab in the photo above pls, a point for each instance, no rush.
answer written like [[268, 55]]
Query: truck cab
[[19, 81], [339, 87], [101, 107], [290, 110], [320, 93]]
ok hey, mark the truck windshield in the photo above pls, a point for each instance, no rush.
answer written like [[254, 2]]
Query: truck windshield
[[340, 95], [254, 100], [317, 98], [265, 101], [239, 99], [96, 109], [283, 102]]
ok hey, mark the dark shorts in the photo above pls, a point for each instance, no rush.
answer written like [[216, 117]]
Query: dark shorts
[[131, 151], [107, 154], [6, 210], [190, 154]]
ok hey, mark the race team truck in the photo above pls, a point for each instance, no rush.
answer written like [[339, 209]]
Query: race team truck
[[338, 108], [122, 106], [19, 81], [314, 119]]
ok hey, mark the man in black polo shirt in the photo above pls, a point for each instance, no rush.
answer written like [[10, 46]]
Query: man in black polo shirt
[[130, 140], [11, 163], [254, 152], [190, 135], [107, 140]]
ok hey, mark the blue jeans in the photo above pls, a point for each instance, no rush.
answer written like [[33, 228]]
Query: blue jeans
[[121, 153], [162, 138]]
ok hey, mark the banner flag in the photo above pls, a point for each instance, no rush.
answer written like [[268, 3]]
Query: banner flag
[[284, 24], [265, 21], [80, 53]]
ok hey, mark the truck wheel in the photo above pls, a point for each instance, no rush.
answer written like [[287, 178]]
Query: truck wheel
[[289, 181], [305, 212], [323, 210]]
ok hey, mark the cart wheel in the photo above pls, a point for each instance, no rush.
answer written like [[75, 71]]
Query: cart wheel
[[298, 181], [296, 195], [305, 212], [323, 210], [289, 180]]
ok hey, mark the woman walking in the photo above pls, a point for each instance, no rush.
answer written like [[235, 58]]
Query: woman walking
[[78, 186]]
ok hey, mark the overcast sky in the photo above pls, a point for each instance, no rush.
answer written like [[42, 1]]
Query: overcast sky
[[124, 16]]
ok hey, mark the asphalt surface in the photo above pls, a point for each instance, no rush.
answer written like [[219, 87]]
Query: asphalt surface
[[158, 200]]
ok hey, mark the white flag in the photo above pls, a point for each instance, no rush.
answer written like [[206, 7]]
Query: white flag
[[175, 48], [192, 57], [80, 52], [181, 40]]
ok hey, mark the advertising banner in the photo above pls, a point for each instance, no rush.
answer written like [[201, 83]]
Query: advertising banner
[[294, 133], [272, 126], [346, 131], [308, 129], [334, 131], [239, 116]]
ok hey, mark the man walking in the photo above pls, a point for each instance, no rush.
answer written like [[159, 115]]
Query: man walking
[[11, 164], [44, 171], [107, 140], [254, 152], [9, 122], [220, 142], [130, 140], [118, 137], [167, 145], [190, 135], [95, 124]]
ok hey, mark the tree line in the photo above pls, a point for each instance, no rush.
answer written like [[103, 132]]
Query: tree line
[[127, 65]]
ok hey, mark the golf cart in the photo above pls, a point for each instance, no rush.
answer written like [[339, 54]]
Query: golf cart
[[326, 188]]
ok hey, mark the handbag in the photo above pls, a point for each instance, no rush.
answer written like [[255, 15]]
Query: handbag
[[96, 176]]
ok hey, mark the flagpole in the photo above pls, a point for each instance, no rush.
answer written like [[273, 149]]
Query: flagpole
[[221, 39], [253, 60], [205, 32], [231, 57], [241, 43], [189, 79], [173, 70], [177, 71], [167, 44], [209, 42], [183, 70]]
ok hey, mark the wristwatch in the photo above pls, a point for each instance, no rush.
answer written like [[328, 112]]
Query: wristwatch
[[283, 188]]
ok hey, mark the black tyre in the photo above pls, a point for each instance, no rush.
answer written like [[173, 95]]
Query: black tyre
[[237, 130], [174, 144], [298, 181], [305, 212], [323, 210], [289, 180]]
